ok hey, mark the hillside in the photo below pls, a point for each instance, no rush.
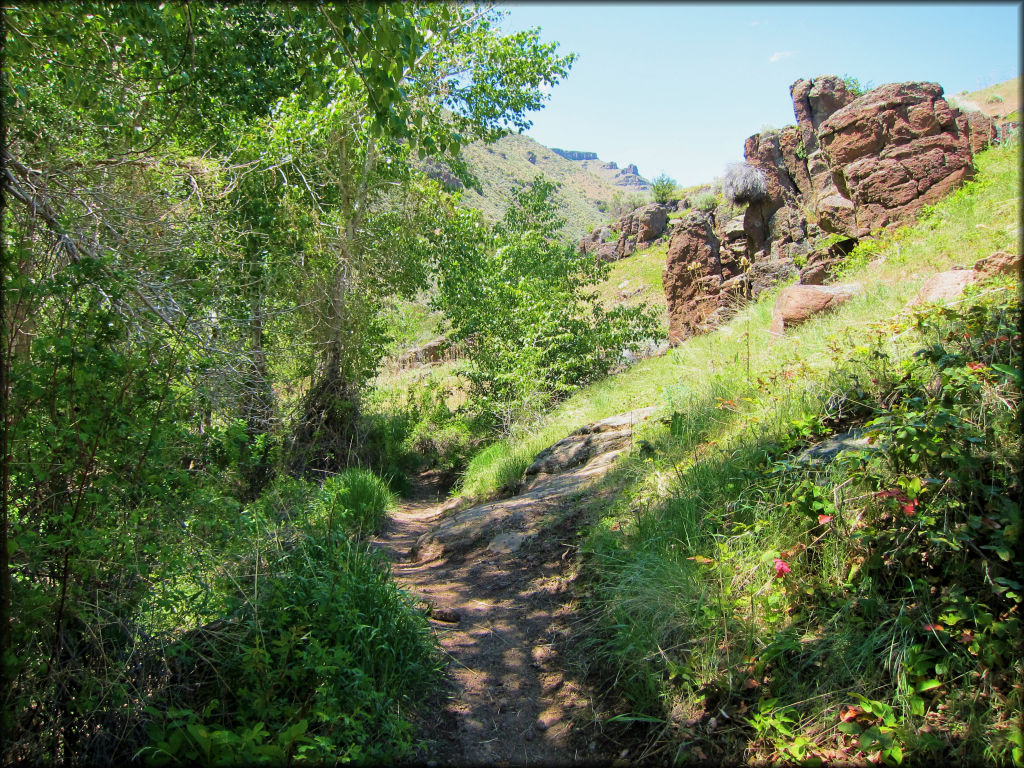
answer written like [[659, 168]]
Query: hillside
[[741, 589], [591, 188], [1001, 101]]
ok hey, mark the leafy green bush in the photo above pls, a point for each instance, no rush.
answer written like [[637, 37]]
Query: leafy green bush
[[706, 201], [518, 301], [355, 502], [316, 659], [883, 584], [853, 85], [663, 188], [413, 427]]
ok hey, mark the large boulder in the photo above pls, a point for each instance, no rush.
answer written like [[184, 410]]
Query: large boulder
[[699, 277], [896, 149], [798, 303], [944, 286], [949, 285], [645, 224], [641, 227]]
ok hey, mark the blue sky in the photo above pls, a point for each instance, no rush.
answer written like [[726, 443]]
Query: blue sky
[[677, 87]]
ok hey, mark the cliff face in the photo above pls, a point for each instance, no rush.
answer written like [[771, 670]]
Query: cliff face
[[572, 154], [848, 168]]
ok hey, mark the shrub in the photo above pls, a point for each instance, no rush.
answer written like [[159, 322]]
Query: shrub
[[706, 201], [356, 501], [663, 188], [315, 660], [854, 86], [521, 303], [743, 183]]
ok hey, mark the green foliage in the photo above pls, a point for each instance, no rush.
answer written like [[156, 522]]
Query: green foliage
[[210, 210], [853, 85], [663, 188], [355, 502], [317, 655], [706, 201], [518, 301], [625, 202]]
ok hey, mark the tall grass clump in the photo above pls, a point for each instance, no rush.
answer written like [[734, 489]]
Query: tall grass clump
[[305, 651], [744, 183], [356, 501], [760, 600]]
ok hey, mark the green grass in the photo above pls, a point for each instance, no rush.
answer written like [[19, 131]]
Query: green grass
[[640, 271], [977, 220], [687, 616], [505, 165]]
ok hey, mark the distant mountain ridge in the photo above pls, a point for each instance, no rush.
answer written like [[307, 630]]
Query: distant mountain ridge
[[590, 190], [572, 154]]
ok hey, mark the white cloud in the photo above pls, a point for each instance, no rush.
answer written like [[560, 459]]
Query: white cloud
[[779, 56]]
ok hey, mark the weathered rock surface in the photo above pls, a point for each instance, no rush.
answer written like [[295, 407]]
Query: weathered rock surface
[[898, 148], [557, 472], [797, 303], [999, 263], [849, 167], [601, 437], [829, 448], [695, 276], [944, 286]]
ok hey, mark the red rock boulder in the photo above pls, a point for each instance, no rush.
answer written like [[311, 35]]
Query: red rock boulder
[[896, 149], [699, 277], [797, 303]]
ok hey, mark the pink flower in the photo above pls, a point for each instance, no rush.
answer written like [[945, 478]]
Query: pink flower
[[781, 568]]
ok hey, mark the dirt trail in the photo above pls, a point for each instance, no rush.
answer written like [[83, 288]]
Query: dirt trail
[[497, 579]]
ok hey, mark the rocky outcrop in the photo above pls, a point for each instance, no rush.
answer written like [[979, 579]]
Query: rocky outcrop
[[630, 177], [698, 277], [636, 230], [848, 168], [572, 154], [896, 149]]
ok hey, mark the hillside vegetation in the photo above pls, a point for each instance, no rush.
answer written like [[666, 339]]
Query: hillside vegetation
[[1000, 101], [749, 601], [587, 192]]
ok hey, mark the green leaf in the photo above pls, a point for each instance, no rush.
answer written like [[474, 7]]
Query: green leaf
[[1006, 370]]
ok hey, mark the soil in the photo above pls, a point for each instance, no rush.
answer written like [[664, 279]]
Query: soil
[[505, 620]]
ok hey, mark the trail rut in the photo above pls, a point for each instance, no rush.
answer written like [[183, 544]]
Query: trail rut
[[497, 582]]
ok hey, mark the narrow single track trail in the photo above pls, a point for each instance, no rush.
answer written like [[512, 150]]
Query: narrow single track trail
[[496, 580]]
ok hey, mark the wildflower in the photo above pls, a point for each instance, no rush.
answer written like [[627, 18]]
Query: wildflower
[[910, 507], [781, 567], [975, 366]]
